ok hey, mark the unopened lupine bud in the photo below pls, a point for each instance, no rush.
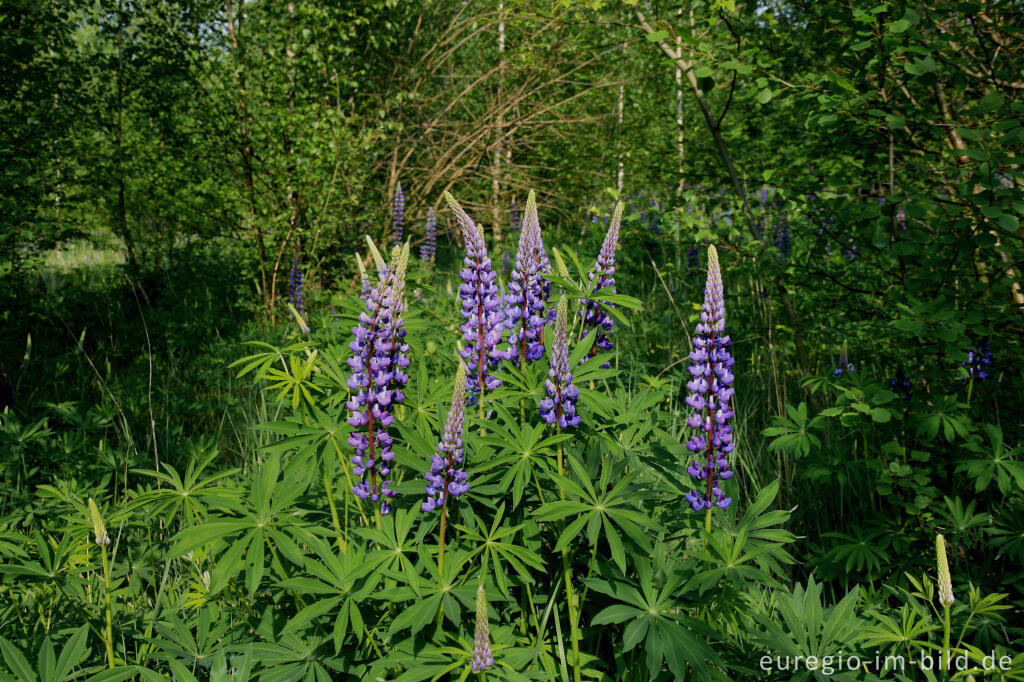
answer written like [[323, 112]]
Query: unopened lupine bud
[[99, 529], [483, 657], [398, 216], [945, 580]]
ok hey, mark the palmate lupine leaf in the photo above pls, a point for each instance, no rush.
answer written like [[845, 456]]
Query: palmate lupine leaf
[[603, 513], [396, 546], [795, 433], [264, 519], [998, 464], [752, 550], [437, 590], [802, 626], [654, 615], [294, 380], [338, 583], [50, 667], [495, 548], [526, 447], [188, 495]]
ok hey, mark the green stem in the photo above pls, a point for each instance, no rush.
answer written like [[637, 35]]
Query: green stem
[[444, 525], [570, 595], [707, 521], [334, 513], [945, 639], [108, 639], [970, 389]]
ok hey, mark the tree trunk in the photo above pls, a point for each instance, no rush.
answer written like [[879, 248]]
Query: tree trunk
[[723, 150], [246, 150], [122, 203], [499, 128]]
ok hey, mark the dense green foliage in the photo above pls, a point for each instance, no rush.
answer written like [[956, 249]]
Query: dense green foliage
[[166, 163]]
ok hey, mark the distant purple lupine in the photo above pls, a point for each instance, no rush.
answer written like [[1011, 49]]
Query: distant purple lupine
[[844, 366], [524, 304], [602, 278], [901, 384], [710, 393], [446, 476], [379, 360], [559, 407], [978, 359], [692, 260], [295, 286], [398, 216], [428, 249], [481, 306]]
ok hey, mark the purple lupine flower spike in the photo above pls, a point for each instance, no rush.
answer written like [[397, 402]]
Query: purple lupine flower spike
[[379, 360], [710, 392], [559, 407], [398, 216], [446, 476], [483, 657], [481, 306], [524, 305], [604, 271], [428, 250]]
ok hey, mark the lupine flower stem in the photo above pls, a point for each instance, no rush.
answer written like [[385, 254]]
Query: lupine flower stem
[[329, 492], [447, 478], [103, 539], [108, 638]]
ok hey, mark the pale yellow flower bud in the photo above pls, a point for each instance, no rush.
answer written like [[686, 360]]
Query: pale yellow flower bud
[[945, 581], [98, 527]]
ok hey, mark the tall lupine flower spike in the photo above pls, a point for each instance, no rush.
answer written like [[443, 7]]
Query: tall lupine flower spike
[[398, 216], [483, 657], [481, 306], [446, 476], [295, 285], [428, 250], [378, 365], [604, 271], [710, 392], [559, 407], [524, 304]]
